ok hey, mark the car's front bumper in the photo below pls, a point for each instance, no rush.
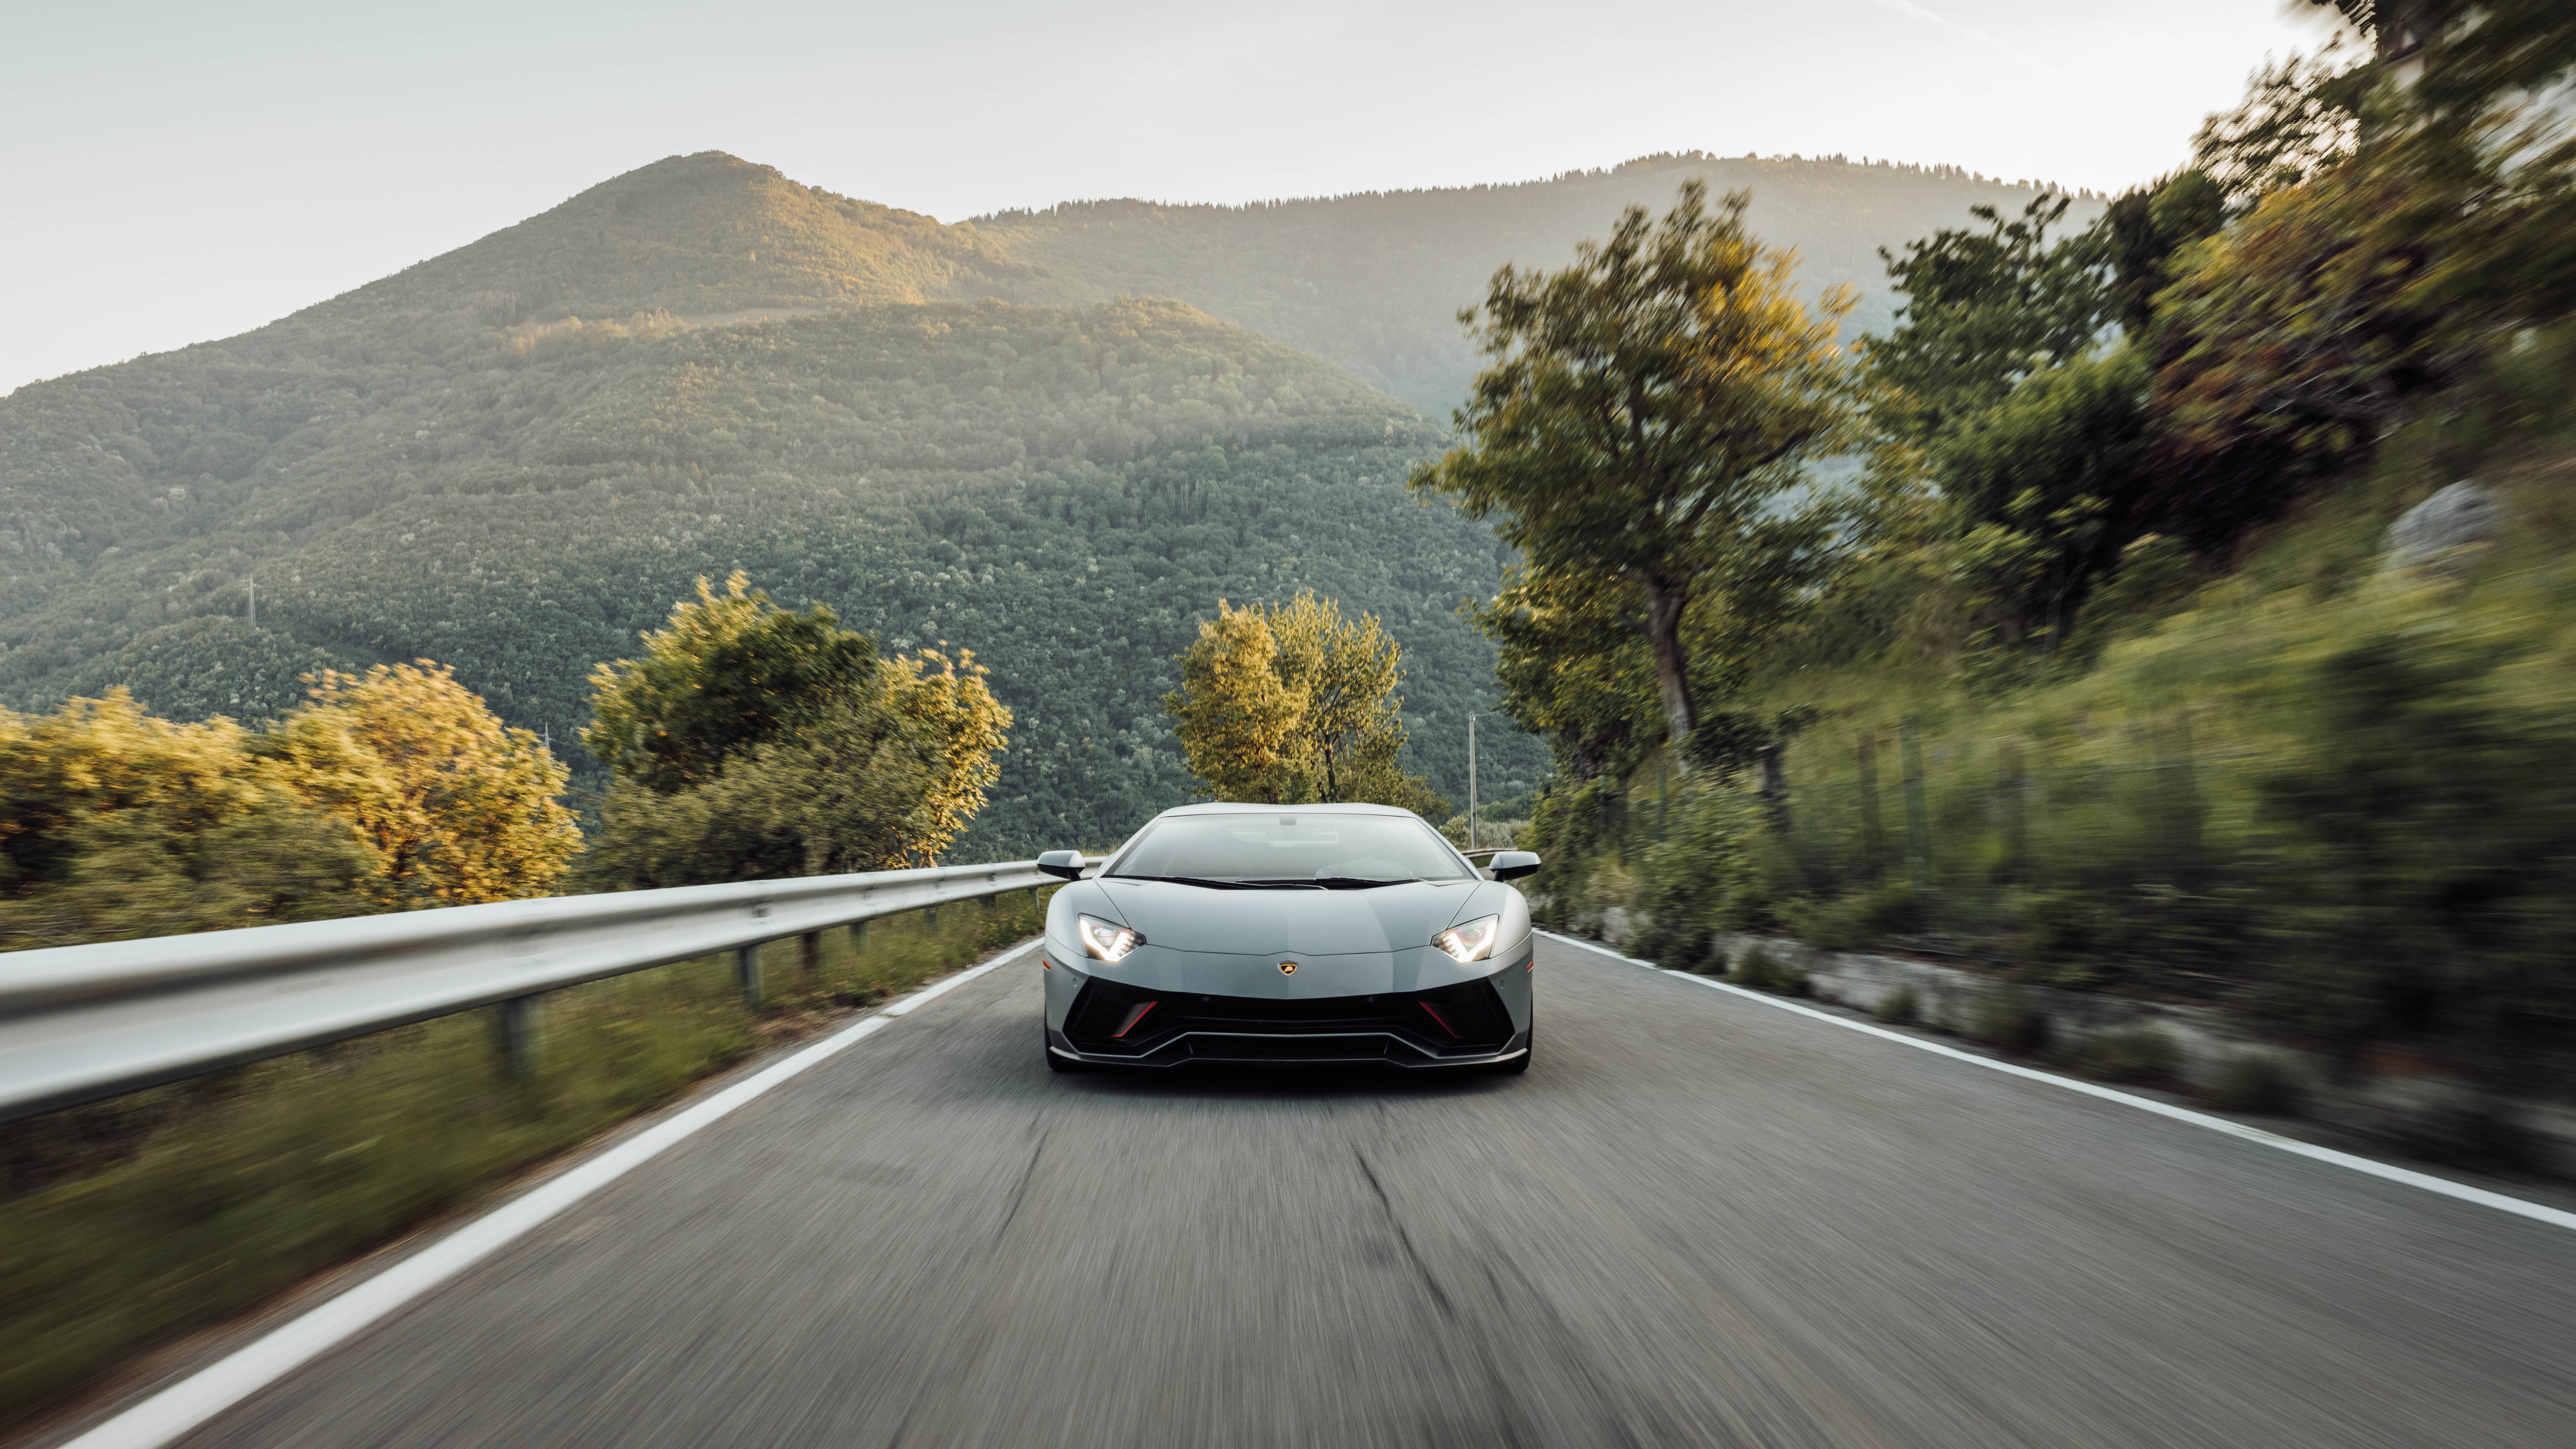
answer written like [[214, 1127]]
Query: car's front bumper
[[1097, 1020], [1224, 1049]]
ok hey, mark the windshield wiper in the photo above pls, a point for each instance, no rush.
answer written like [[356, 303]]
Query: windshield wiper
[[1214, 885], [1338, 882]]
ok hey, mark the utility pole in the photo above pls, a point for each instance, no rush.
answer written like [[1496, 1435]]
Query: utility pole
[[1471, 779]]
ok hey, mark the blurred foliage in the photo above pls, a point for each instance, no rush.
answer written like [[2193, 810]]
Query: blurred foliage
[[389, 791], [2114, 687], [1293, 703], [2039, 487], [114, 825], [2298, 121], [753, 742]]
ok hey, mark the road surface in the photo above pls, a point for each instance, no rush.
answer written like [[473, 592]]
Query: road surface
[[1699, 1220]]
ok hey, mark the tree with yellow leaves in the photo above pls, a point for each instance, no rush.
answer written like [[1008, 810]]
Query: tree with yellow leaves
[[388, 790], [115, 825], [1293, 703], [1239, 723], [455, 807]]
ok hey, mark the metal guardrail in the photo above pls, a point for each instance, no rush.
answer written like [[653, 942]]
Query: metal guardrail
[[78, 1023]]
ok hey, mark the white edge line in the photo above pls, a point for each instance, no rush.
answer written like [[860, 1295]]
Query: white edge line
[[2520, 1207], [218, 1386]]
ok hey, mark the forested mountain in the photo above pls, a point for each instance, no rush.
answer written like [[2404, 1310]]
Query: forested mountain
[[1060, 491], [513, 457], [1374, 281]]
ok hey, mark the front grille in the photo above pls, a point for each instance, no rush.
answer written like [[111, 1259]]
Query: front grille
[[1463, 1020], [1211, 1047]]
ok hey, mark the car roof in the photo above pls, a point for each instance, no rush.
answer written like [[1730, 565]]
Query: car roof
[[1254, 807]]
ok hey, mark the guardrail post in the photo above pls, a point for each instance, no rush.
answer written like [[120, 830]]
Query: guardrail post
[[809, 954], [746, 964], [930, 918], [858, 936], [514, 1030]]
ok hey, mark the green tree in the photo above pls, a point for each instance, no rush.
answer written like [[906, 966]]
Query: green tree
[[2141, 232], [752, 742], [1345, 672], [1982, 311], [2039, 487], [1575, 669], [1643, 412], [729, 671], [2299, 119]]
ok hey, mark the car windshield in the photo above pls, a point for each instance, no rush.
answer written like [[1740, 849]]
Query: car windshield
[[1288, 848]]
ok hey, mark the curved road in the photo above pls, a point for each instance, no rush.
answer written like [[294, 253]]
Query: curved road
[[1699, 1220]]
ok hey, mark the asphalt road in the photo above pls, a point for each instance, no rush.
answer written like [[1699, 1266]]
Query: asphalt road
[[1698, 1220]]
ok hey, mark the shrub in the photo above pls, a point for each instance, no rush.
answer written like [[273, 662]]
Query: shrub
[[1862, 919], [2009, 1020], [2250, 1084], [1768, 968], [1898, 1008], [2127, 1054], [2479, 1135]]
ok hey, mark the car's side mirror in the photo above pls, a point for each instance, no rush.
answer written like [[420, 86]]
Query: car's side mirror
[[1513, 864], [1064, 863]]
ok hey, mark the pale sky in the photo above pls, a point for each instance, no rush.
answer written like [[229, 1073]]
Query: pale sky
[[176, 172]]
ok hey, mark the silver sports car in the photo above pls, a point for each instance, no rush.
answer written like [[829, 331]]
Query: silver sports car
[[1297, 933]]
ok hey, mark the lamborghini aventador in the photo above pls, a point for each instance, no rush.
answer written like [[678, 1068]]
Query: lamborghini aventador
[[1307, 933]]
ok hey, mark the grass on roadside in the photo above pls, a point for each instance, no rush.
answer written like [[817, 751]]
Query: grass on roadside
[[135, 1221]]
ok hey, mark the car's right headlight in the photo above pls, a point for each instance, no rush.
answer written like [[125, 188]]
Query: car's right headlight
[[1104, 940], [1471, 941]]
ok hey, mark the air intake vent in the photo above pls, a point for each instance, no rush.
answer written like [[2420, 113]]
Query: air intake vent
[[1113, 1019]]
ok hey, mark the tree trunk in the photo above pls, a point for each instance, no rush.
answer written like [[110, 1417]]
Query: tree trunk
[[1664, 630]]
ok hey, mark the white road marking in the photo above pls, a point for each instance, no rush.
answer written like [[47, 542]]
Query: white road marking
[[2388, 1172], [218, 1386]]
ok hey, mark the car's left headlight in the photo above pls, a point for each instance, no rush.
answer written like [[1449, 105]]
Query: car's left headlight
[[1106, 940], [1471, 941]]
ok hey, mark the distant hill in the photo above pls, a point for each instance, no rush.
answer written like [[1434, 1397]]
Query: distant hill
[[513, 457], [1374, 281]]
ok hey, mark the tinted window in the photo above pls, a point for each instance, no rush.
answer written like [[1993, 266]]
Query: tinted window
[[1292, 846]]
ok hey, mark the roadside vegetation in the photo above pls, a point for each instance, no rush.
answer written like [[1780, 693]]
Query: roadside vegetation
[[749, 742], [2107, 673], [390, 790]]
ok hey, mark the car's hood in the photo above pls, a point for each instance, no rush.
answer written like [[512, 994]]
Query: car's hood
[[1302, 922]]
